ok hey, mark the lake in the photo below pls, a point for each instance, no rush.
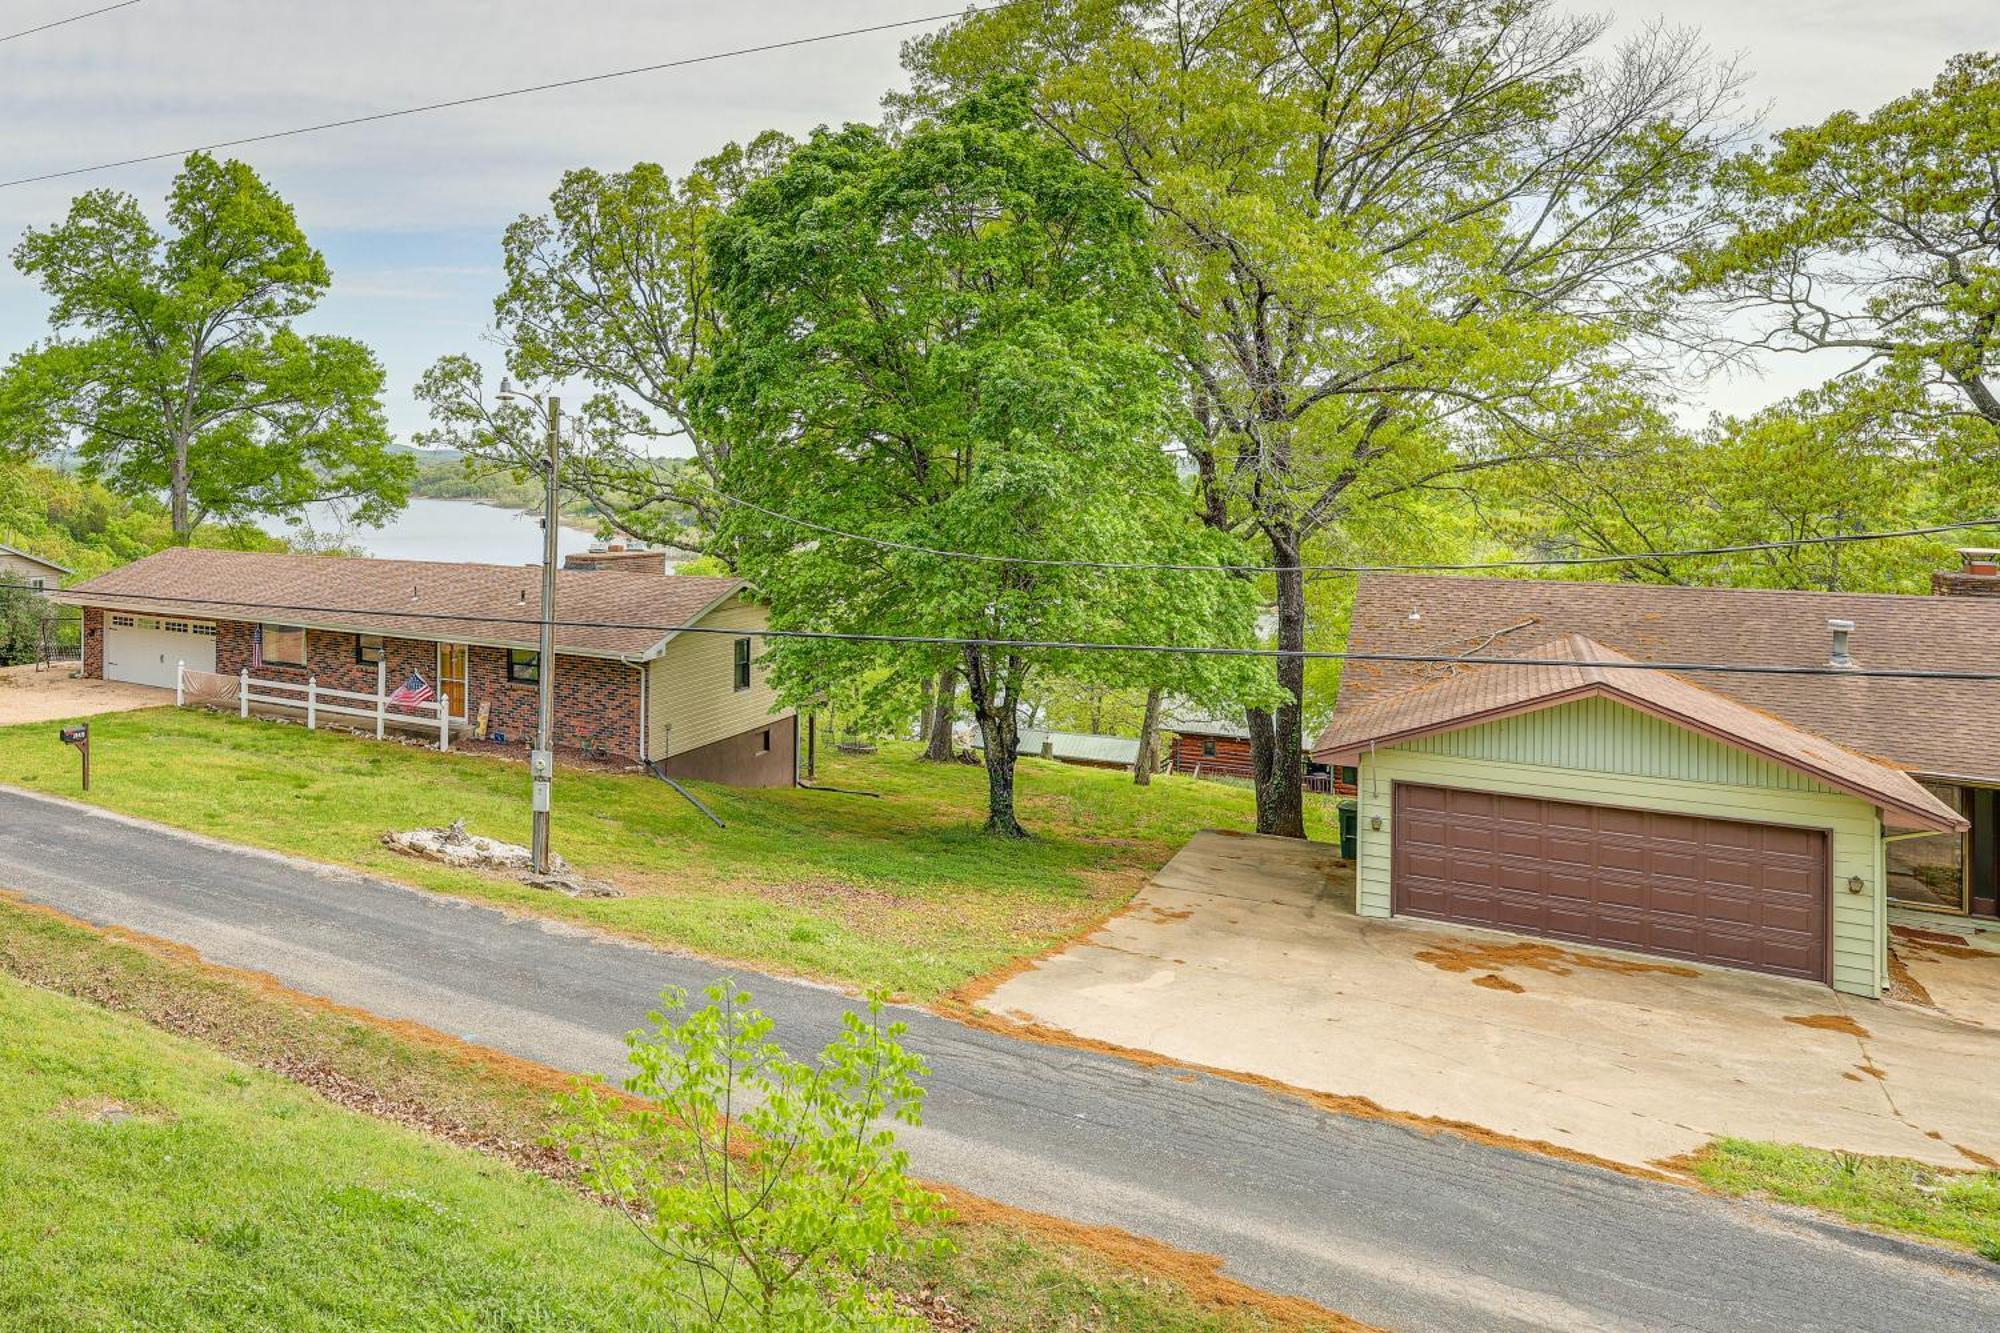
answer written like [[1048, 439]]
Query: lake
[[442, 530]]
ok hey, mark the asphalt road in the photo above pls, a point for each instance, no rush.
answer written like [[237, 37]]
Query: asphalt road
[[1383, 1223]]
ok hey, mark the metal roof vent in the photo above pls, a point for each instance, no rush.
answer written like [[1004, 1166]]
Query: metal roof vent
[[1841, 630]]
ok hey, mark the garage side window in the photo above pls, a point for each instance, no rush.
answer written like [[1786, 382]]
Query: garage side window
[[284, 645]]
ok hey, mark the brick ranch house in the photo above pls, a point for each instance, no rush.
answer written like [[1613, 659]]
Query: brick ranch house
[[629, 682], [1779, 823]]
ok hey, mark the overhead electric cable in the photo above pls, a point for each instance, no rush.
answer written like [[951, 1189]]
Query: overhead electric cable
[[73, 18], [501, 94], [1523, 562], [136, 604]]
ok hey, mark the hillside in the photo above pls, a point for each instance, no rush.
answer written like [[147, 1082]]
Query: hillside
[[77, 523]]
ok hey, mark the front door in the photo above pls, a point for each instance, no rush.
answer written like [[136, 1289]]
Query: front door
[[451, 677]]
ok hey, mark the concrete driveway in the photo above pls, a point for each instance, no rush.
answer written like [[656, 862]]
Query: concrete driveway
[[51, 695], [1244, 953]]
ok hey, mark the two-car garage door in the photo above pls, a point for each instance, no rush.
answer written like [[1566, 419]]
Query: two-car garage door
[[1711, 890], [145, 650]]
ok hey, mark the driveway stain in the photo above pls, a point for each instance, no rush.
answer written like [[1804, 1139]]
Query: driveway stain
[[1497, 955], [1829, 1023]]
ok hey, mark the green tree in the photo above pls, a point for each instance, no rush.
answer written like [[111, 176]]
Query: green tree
[[771, 1185], [27, 622], [1873, 239], [611, 287], [951, 341], [1400, 234], [174, 364], [1827, 463]]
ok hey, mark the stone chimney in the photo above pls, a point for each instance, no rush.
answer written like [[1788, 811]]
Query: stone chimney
[[618, 556], [1978, 574]]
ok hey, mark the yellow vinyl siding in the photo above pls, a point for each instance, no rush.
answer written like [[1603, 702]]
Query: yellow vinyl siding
[[23, 569], [691, 694], [1599, 752]]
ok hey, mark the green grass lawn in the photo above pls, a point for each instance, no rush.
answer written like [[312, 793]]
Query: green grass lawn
[[1961, 1208], [231, 1198], [904, 892], [148, 1183]]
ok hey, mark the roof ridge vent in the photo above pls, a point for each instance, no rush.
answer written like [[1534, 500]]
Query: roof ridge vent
[[1841, 657]]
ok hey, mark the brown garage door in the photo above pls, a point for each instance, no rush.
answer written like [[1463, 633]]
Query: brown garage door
[[1711, 890]]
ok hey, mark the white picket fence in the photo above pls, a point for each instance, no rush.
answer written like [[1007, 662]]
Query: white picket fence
[[315, 700]]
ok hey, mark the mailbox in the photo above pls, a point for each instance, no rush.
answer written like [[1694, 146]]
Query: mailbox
[[79, 736]]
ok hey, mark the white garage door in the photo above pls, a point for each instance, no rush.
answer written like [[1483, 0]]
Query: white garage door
[[145, 650]]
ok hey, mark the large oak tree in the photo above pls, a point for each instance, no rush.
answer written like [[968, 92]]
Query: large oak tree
[[173, 365], [1403, 237]]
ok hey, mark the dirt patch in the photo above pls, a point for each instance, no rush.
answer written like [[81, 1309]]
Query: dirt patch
[[1829, 1023], [1936, 943], [107, 1111], [1904, 986], [28, 695], [1494, 981], [1485, 956]]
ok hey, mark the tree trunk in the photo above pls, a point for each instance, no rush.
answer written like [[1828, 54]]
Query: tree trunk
[[925, 712], [944, 710], [1000, 729], [1277, 735], [1149, 740], [177, 487]]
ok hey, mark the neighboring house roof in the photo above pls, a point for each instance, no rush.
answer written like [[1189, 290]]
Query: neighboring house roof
[[1940, 728], [412, 599], [36, 559], [1076, 746], [1187, 720], [1576, 670]]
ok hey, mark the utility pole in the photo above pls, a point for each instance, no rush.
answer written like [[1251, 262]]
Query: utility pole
[[542, 760]]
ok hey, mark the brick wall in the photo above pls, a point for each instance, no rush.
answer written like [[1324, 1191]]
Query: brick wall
[[93, 643], [1956, 583], [596, 700]]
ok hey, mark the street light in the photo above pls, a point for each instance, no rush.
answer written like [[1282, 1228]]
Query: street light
[[541, 761]]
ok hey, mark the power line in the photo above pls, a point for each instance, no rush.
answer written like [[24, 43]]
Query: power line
[[1056, 645], [73, 18], [1524, 562], [477, 98]]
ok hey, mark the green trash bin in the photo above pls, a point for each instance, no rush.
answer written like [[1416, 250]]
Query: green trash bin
[[1350, 823]]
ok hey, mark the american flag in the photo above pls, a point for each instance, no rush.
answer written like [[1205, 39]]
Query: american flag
[[416, 690]]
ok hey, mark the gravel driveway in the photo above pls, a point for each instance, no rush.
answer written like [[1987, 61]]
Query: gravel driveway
[[52, 695]]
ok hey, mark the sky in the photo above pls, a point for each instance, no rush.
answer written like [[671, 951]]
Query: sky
[[409, 213]]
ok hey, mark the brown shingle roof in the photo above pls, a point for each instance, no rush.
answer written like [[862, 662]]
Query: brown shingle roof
[[417, 599], [1940, 728], [1478, 694]]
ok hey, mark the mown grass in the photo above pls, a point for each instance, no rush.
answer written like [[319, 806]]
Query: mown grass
[[904, 892], [146, 1183], [1897, 1194], [233, 1199]]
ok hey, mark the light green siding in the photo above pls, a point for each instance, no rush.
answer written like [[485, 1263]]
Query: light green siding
[[1600, 752]]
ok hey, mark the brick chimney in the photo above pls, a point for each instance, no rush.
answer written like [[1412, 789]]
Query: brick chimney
[[1978, 574], [618, 556]]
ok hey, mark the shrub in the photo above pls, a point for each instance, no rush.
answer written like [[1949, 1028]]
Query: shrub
[[770, 1185]]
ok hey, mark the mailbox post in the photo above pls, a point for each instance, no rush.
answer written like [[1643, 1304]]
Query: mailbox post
[[79, 736]]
